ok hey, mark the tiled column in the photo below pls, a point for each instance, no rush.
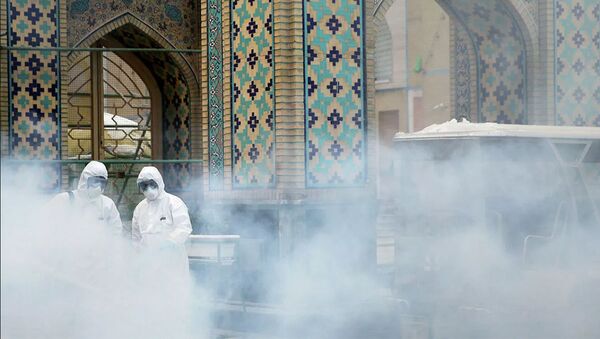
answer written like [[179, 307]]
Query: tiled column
[[34, 79]]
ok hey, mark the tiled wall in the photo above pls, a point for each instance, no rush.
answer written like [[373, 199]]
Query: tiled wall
[[34, 102], [252, 91], [501, 72], [334, 93], [564, 77], [34, 80], [175, 20], [577, 64]]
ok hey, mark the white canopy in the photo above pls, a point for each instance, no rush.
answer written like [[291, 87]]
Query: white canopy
[[455, 129]]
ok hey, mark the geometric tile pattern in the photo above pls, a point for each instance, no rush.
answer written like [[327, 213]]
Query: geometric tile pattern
[[176, 102], [216, 162], [334, 89], [462, 74], [578, 62], [501, 59], [173, 19], [34, 79], [252, 90]]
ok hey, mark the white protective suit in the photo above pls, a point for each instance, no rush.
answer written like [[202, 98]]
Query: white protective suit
[[162, 223], [99, 208]]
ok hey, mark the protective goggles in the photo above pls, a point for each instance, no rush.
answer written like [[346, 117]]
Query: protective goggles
[[97, 182], [144, 185]]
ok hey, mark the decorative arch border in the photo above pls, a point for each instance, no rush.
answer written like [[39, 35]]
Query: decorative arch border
[[527, 22], [525, 40], [379, 10], [463, 63], [383, 32], [130, 18]]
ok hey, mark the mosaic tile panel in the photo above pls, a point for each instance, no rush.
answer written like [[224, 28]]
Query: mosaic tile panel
[[216, 162], [173, 19], [34, 78], [253, 106], [175, 100], [462, 74], [335, 114], [578, 62], [501, 59]]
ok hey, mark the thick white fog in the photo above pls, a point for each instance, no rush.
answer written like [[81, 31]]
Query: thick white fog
[[460, 267], [67, 276], [503, 248]]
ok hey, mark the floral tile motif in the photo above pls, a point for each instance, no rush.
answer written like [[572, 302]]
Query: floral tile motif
[[174, 19], [462, 75], [216, 162]]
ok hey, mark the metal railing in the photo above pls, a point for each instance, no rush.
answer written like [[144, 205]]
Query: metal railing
[[100, 49]]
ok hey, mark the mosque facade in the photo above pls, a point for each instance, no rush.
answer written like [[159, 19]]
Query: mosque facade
[[277, 98]]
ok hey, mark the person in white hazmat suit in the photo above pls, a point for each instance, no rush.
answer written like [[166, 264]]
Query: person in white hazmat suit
[[161, 224], [161, 220], [88, 201], [80, 267]]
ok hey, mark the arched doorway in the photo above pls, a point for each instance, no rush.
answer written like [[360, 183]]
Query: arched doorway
[[491, 54], [114, 107], [501, 50], [133, 105], [177, 82], [176, 85]]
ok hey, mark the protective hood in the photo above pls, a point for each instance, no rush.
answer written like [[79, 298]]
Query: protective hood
[[152, 173], [92, 169]]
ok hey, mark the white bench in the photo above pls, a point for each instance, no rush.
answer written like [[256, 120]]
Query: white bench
[[219, 249]]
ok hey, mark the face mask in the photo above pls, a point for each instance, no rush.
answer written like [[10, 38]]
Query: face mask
[[151, 193], [144, 185], [94, 192], [97, 182]]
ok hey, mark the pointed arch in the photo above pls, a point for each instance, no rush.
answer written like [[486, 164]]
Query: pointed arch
[[176, 73], [129, 18], [381, 7], [504, 58]]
